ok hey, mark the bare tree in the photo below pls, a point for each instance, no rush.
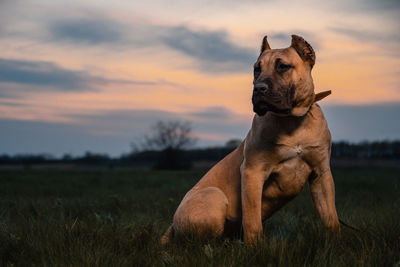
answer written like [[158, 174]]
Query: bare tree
[[176, 135], [170, 138]]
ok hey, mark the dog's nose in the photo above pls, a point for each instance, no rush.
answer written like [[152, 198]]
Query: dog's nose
[[260, 88]]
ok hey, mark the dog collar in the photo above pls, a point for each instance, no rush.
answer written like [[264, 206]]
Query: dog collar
[[322, 95]]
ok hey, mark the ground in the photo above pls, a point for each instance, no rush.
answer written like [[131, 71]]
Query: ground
[[116, 217]]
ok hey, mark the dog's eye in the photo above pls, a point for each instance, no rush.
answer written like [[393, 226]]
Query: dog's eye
[[282, 67], [257, 70]]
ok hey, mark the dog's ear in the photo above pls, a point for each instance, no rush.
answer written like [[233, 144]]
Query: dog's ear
[[304, 49], [264, 45]]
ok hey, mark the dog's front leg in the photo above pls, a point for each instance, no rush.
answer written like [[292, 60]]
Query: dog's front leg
[[252, 181], [323, 193]]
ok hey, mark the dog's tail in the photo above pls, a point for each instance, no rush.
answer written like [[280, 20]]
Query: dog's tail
[[376, 235], [349, 226], [167, 236]]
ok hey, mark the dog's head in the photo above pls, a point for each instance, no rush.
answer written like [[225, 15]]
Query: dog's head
[[282, 79]]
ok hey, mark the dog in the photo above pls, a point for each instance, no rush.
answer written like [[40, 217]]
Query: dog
[[288, 145]]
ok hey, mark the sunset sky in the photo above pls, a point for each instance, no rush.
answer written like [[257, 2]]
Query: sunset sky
[[80, 76]]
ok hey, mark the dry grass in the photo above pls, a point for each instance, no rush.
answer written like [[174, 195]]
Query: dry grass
[[115, 218]]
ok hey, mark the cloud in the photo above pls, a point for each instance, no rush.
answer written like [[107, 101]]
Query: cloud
[[43, 73], [372, 5], [10, 103], [219, 122], [29, 137], [367, 122], [87, 31], [212, 113], [23, 75], [212, 51], [211, 48], [127, 123], [365, 35], [136, 123], [388, 42]]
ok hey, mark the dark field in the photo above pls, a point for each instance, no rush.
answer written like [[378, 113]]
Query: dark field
[[115, 218]]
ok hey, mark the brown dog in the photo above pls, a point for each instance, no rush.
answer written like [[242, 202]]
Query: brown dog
[[288, 144]]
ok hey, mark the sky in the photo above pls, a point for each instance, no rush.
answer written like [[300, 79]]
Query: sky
[[80, 76]]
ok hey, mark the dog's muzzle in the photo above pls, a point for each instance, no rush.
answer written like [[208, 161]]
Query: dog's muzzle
[[266, 99]]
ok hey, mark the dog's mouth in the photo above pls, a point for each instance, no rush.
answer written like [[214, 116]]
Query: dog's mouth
[[280, 101], [262, 107]]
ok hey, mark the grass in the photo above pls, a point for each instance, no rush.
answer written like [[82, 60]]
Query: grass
[[115, 218]]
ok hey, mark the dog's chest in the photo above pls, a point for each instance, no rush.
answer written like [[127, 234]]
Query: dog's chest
[[285, 152], [291, 158], [290, 173]]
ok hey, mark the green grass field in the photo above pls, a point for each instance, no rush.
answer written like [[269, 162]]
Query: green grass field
[[115, 218]]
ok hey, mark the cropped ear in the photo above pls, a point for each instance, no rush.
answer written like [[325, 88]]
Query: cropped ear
[[304, 49], [322, 95], [264, 45]]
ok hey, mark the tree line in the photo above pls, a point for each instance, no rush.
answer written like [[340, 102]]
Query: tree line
[[170, 145], [362, 150]]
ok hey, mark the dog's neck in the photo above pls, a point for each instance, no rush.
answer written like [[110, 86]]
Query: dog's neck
[[287, 122], [282, 129], [304, 108]]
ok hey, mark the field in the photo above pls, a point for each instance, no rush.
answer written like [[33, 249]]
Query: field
[[116, 217]]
